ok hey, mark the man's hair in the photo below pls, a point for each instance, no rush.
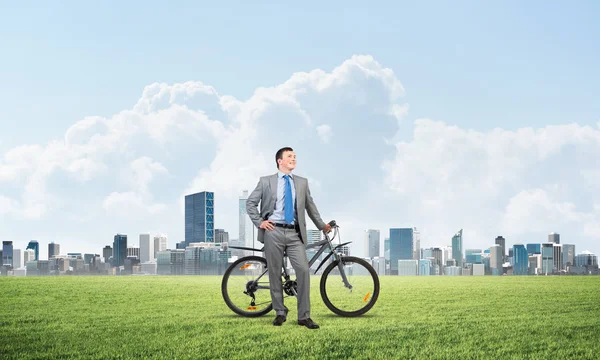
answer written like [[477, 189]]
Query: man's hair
[[279, 154]]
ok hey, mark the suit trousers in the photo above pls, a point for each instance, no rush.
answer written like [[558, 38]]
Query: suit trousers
[[276, 241]]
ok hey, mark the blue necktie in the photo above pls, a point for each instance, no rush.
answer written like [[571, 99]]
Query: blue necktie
[[288, 205]]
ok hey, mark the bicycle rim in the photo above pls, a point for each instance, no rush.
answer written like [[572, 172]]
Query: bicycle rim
[[358, 299], [243, 291]]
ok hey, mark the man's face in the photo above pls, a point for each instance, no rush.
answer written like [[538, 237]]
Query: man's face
[[288, 161]]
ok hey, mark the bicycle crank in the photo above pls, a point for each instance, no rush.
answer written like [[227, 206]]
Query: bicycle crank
[[290, 287]]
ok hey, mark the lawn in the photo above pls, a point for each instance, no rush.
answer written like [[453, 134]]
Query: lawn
[[427, 317]]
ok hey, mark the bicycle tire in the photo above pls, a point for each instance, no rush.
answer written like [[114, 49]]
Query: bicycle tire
[[329, 304], [226, 297]]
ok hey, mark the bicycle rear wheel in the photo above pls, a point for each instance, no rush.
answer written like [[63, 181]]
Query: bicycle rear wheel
[[363, 291], [245, 287]]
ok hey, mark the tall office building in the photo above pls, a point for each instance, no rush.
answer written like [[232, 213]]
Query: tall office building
[[534, 249], [502, 243], [568, 255], [473, 256], [586, 258], [313, 236], [496, 259], [372, 241], [199, 218], [53, 250], [417, 244], [7, 253], [436, 254], [535, 264], [446, 255], [554, 238], [146, 248], [457, 248], [107, 253], [28, 255], [161, 243], [221, 236], [35, 246], [425, 267], [133, 251], [521, 259], [17, 259], [119, 250], [401, 247], [558, 257], [547, 258], [246, 228]]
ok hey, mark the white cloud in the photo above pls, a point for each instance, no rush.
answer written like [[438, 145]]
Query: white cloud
[[518, 183], [324, 132], [8, 205]]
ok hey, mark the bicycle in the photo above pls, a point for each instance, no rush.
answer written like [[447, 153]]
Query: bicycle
[[245, 284]]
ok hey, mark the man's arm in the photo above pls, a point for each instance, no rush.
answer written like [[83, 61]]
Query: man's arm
[[252, 204], [312, 211]]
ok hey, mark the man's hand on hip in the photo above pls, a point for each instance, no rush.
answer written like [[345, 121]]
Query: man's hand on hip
[[267, 225]]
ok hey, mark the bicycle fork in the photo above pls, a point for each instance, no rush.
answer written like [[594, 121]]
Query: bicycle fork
[[342, 271]]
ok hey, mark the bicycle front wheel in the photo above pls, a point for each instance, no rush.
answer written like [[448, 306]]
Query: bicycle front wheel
[[245, 287], [358, 296]]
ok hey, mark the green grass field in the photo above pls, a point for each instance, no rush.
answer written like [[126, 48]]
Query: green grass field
[[415, 317]]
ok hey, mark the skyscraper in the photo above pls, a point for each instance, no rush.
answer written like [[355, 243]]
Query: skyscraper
[[437, 255], [558, 257], [554, 238], [521, 259], [161, 243], [146, 248], [372, 241], [221, 236], [107, 253], [568, 255], [7, 253], [473, 256], [586, 258], [119, 250], [28, 255], [547, 258], [417, 244], [17, 259], [401, 247], [457, 248], [33, 245], [496, 259], [313, 236], [502, 242], [133, 251], [199, 218], [53, 250], [533, 249], [246, 227]]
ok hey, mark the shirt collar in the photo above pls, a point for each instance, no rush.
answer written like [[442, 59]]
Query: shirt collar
[[280, 175]]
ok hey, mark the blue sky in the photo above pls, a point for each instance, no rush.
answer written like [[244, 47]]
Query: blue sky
[[472, 65]]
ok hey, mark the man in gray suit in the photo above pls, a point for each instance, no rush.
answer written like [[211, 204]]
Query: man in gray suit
[[282, 226]]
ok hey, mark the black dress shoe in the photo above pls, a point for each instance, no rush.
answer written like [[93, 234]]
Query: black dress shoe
[[279, 320], [308, 323]]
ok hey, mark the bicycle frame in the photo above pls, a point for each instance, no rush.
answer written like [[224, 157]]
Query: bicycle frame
[[324, 244]]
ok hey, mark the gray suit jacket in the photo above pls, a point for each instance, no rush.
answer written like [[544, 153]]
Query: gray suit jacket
[[266, 192]]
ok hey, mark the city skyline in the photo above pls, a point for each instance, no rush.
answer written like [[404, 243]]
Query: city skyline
[[359, 248]]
